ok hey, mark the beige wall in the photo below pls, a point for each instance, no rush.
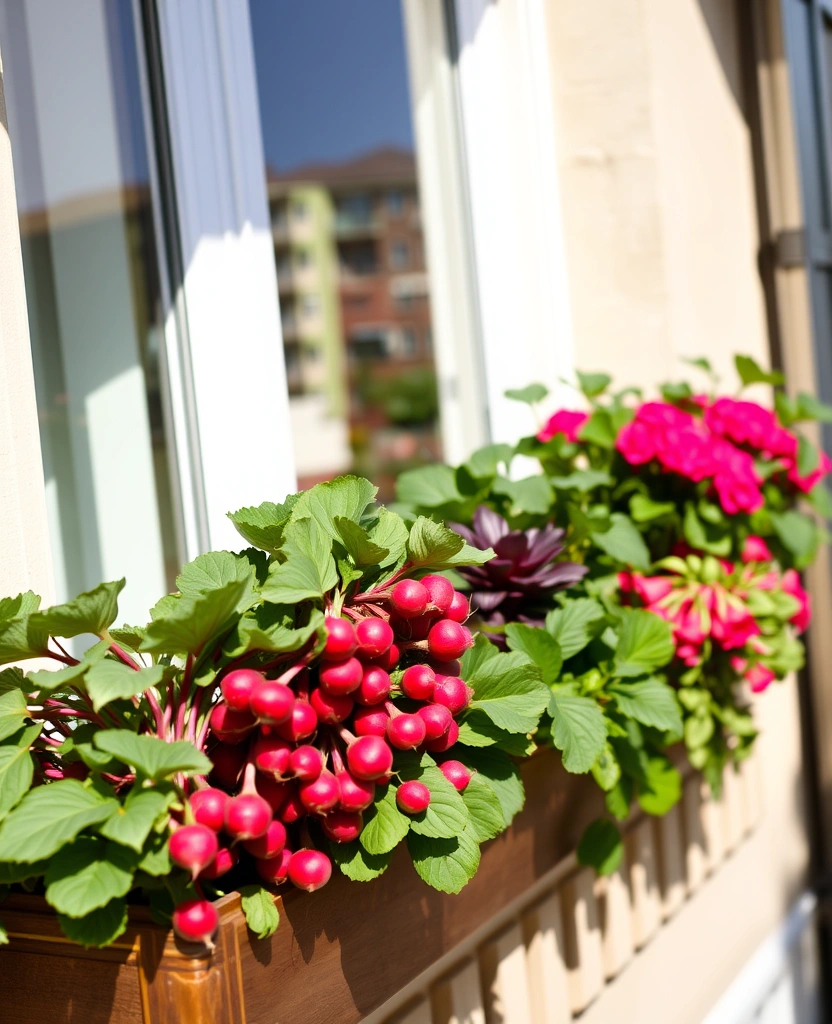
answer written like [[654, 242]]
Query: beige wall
[[24, 543]]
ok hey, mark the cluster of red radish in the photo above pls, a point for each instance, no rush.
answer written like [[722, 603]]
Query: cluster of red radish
[[309, 747]]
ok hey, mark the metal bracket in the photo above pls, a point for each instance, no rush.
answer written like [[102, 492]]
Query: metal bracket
[[790, 248]]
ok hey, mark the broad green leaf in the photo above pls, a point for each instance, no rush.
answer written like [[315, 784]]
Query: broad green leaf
[[578, 730], [810, 408], [193, 621], [530, 496], [477, 730], [97, 929], [18, 607], [645, 643], [447, 815], [620, 797], [700, 362], [663, 789], [130, 825], [502, 775], [482, 650], [346, 496], [432, 545], [486, 461], [46, 681], [260, 912], [530, 395], [714, 538], [13, 712], [445, 864], [263, 525], [151, 756], [389, 531], [651, 702], [216, 568], [698, 731], [12, 679], [16, 768], [539, 645], [428, 487], [20, 637], [271, 628], [356, 540], [384, 824], [575, 624], [87, 874], [797, 533], [751, 373], [50, 816], [113, 680], [90, 612], [582, 480], [593, 384], [357, 864], [11, 873], [623, 542], [484, 809], [606, 771], [510, 691], [601, 847], [156, 860], [309, 570], [808, 456], [128, 636], [645, 510]]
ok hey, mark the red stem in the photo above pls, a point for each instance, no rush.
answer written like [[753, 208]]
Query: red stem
[[122, 655]]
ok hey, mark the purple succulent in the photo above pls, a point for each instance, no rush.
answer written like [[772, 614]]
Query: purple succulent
[[518, 582]]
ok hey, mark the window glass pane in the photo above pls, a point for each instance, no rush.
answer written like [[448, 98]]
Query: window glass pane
[[341, 172], [92, 285]]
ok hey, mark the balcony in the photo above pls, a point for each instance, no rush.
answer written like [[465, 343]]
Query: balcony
[[356, 225]]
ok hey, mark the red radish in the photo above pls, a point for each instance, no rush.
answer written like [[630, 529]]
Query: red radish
[[459, 608], [356, 794], [274, 793], [309, 869], [329, 708], [270, 844], [452, 693], [320, 795], [406, 732], [441, 592], [445, 741], [341, 677], [370, 722], [195, 921], [413, 797], [271, 755], [306, 762], [375, 686], [224, 861], [456, 773], [275, 869], [228, 762], [369, 757], [247, 816], [302, 723], [437, 718], [293, 808], [193, 847], [340, 639], [418, 682], [414, 629], [208, 808], [410, 598], [231, 726], [374, 637], [448, 640], [387, 661], [238, 686], [272, 702], [343, 826]]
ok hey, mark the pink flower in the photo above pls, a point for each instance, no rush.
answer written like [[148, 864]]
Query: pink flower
[[565, 421], [663, 414], [652, 589], [758, 677], [686, 451], [689, 626], [635, 442], [689, 654], [791, 585], [736, 480], [733, 626], [755, 549], [805, 483], [742, 422]]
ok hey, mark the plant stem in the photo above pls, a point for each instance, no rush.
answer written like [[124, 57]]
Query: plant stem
[[121, 654], [156, 708]]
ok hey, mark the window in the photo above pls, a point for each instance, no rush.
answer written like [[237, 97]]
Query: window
[[399, 254], [408, 342], [395, 202]]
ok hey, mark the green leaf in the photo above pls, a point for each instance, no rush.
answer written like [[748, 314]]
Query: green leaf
[[389, 531], [676, 392], [530, 496], [432, 545], [645, 643], [11, 874], [309, 570], [599, 429], [700, 362], [428, 487], [620, 797], [50, 816], [156, 860], [477, 730], [13, 712], [593, 384], [356, 540], [264, 524], [357, 864], [216, 568], [90, 612], [810, 408], [751, 373], [651, 702], [606, 771], [698, 731], [113, 680], [20, 638], [704, 536], [510, 691], [582, 480], [384, 824], [16, 768], [271, 628], [18, 607], [578, 730], [347, 496], [539, 645], [486, 461], [153, 757], [623, 542], [260, 912], [575, 624], [645, 510], [13, 679], [191, 622], [87, 874], [46, 681], [445, 864], [797, 533], [663, 789], [484, 809], [99, 928], [601, 847], [128, 636], [482, 650], [530, 395], [808, 456], [446, 816], [130, 825], [502, 775]]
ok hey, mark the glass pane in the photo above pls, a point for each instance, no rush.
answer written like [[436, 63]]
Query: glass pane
[[92, 284], [341, 172]]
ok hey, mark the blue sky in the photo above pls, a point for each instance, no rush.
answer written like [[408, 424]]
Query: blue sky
[[332, 78]]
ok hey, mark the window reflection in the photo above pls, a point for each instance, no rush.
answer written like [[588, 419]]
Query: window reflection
[[343, 193]]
